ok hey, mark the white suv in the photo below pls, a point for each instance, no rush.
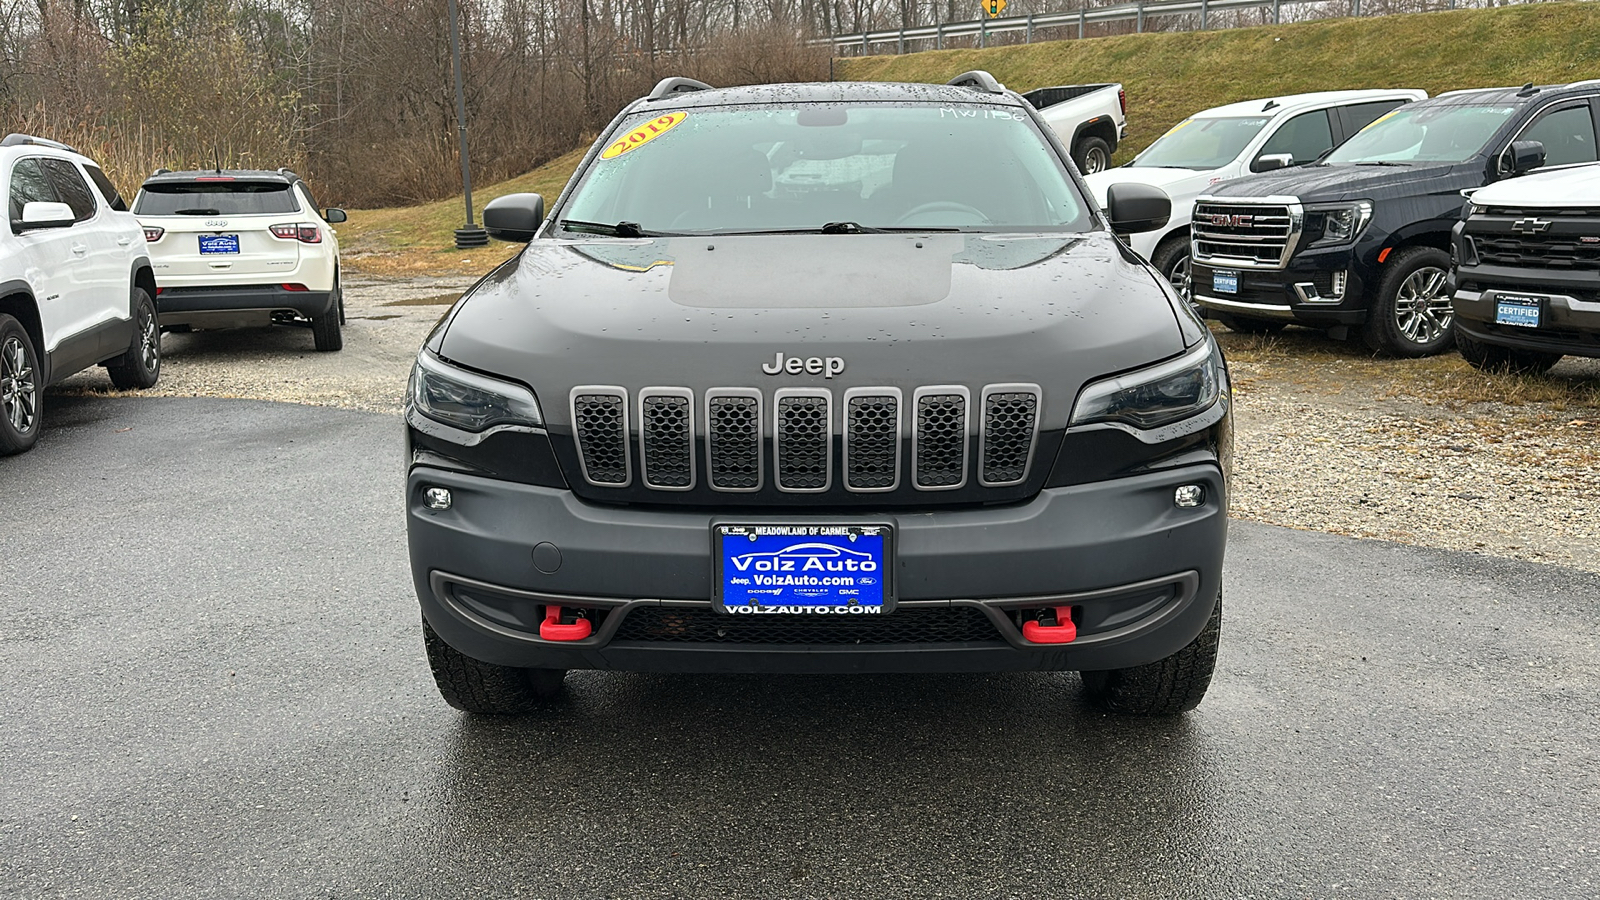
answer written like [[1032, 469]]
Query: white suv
[[77, 284], [1234, 141], [240, 248]]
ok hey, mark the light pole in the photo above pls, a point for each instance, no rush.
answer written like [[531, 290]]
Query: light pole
[[469, 235]]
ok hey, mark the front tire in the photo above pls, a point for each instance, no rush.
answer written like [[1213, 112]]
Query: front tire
[[1166, 687], [1495, 358], [1171, 259], [21, 394], [475, 686], [1410, 315], [325, 328], [140, 367], [1092, 155]]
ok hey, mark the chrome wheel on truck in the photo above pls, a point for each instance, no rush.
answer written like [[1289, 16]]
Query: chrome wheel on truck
[[1410, 314]]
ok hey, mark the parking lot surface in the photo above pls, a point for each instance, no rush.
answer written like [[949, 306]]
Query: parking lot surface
[[216, 688]]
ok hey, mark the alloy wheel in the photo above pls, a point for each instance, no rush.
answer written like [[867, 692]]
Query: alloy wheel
[[1181, 279], [19, 395], [149, 340], [1422, 306]]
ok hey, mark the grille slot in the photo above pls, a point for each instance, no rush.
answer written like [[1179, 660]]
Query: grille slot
[[733, 439], [1010, 424], [600, 425], [803, 439], [907, 625], [666, 438], [939, 445], [1249, 236], [872, 439]]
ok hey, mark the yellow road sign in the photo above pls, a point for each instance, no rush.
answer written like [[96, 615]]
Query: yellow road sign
[[994, 7]]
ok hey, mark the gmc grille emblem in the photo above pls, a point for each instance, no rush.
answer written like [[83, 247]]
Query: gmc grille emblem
[[1529, 226], [1231, 221]]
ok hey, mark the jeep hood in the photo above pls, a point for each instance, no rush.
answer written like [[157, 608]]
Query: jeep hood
[[1332, 183], [1056, 310]]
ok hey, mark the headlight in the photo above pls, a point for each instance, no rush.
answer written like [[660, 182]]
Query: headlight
[[1340, 224], [467, 400], [1159, 395]]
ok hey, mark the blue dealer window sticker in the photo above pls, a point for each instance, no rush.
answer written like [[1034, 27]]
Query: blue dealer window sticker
[[837, 569]]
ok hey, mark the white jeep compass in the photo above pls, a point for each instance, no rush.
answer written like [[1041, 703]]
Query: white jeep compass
[[75, 284], [241, 248]]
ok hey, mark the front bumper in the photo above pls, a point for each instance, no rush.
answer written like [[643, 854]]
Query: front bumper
[[1142, 574], [1570, 325], [1308, 291], [222, 305]]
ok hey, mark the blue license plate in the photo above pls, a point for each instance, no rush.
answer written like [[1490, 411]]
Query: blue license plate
[[800, 569], [1225, 281], [1517, 310], [219, 243]]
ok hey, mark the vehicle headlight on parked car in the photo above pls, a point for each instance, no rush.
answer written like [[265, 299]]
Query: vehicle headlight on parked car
[[468, 401], [1159, 395], [1338, 224]]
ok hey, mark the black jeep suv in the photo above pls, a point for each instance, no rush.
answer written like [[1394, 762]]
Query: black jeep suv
[[821, 378], [1362, 239]]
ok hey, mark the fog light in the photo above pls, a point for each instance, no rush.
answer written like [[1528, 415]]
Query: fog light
[[439, 498], [1189, 496]]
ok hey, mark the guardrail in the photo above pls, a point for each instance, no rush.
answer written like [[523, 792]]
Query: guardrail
[[1137, 12]]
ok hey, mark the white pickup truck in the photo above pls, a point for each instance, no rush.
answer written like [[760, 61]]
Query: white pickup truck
[[1089, 118]]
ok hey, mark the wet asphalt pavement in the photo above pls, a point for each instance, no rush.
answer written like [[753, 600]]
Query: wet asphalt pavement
[[214, 686]]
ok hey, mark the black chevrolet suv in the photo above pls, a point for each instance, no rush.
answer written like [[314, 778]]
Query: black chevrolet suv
[[821, 378], [1362, 239]]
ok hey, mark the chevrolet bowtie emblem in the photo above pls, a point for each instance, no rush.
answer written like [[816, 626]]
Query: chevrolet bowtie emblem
[[1530, 226]]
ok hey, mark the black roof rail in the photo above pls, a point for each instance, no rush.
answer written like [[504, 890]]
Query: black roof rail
[[677, 84], [16, 139], [978, 80]]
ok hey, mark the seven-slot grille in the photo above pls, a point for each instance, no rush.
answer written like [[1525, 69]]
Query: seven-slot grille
[[1251, 236], [1567, 239], [875, 425]]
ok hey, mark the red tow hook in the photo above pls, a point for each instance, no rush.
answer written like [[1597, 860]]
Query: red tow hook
[[1063, 632], [553, 629]]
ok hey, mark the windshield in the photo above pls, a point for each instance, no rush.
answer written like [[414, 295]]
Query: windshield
[[846, 166], [1422, 133], [210, 198], [1201, 143]]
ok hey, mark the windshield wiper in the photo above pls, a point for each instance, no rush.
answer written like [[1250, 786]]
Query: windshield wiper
[[621, 229], [848, 228], [1383, 162], [197, 212]]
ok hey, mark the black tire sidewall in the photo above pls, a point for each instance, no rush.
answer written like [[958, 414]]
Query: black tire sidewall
[[1166, 257], [11, 440], [1085, 147], [1382, 331]]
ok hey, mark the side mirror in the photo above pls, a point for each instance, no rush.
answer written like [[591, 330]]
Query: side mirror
[[1521, 157], [514, 217], [39, 214], [334, 215], [1270, 161], [1135, 208]]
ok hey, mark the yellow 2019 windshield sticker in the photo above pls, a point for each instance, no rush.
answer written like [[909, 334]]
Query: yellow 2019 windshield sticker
[[644, 134]]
